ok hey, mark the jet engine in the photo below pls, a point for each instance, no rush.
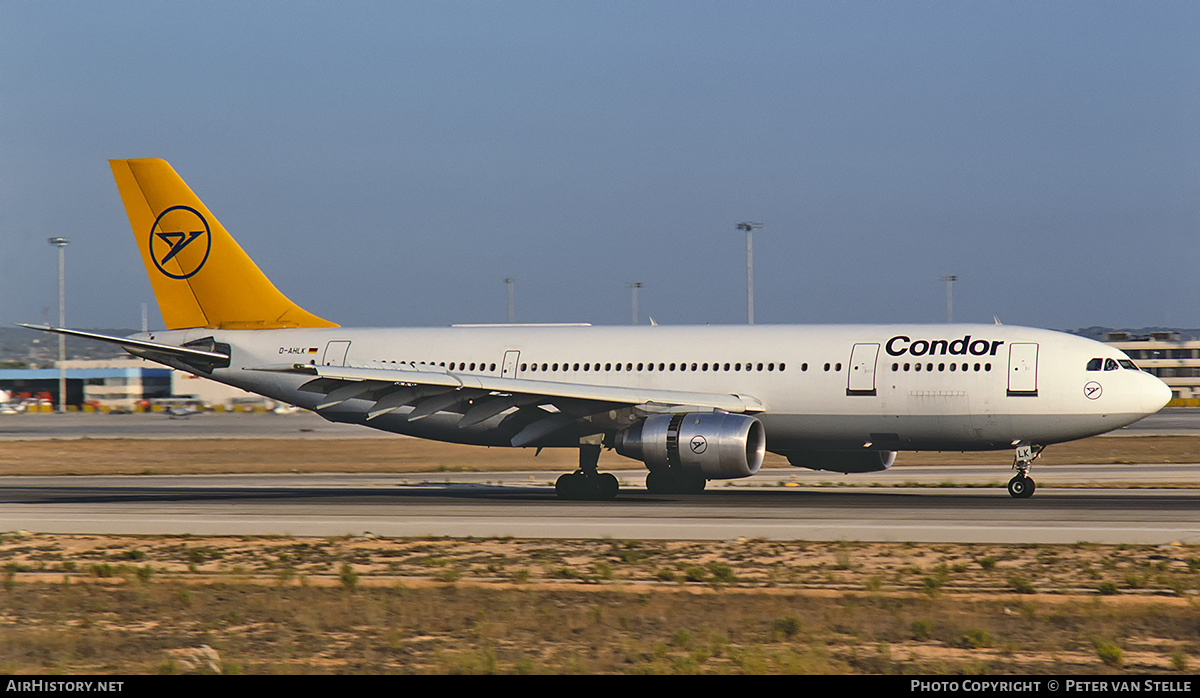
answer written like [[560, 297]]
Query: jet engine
[[719, 445], [843, 461]]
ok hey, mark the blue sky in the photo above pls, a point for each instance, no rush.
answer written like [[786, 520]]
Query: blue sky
[[389, 164]]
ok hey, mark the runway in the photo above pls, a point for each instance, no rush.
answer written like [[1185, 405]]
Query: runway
[[305, 505]]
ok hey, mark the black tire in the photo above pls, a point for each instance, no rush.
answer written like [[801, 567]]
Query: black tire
[[692, 483], [609, 487], [565, 486], [1021, 487]]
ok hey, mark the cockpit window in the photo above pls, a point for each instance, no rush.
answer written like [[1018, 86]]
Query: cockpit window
[[1095, 364], [1126, 363], [1110, 365]]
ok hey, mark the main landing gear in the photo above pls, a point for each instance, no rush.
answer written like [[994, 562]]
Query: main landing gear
[[1022, 486], [586, 483]]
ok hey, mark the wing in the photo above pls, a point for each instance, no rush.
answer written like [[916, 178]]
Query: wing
[[546, 407]]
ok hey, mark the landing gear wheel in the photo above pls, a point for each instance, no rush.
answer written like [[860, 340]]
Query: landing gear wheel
[[609, 487], [580, 487], [671, 482], [586, 483], [565, 486], [1021, 487], [692, 483]]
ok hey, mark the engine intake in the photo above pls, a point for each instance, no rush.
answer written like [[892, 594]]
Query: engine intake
[[719, 445], [843, 461]]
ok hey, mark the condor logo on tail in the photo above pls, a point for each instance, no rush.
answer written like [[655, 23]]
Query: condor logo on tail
[[901, 345], [173, 238]]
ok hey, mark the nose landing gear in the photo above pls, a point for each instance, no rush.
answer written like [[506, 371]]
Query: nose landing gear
[[1022, 486]]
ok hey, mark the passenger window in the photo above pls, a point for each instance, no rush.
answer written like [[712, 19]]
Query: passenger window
[[1110, 365], [1094, 364]]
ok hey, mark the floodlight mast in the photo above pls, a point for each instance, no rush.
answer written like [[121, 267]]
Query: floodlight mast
[[511, 308], [749, 227], [950, 279], [634, 286], [61, 244]]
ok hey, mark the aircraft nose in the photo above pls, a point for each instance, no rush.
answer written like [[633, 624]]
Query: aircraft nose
[[1158, 395]]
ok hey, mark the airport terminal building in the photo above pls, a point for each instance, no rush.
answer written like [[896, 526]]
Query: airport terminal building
[[116, 383], [119, 383]]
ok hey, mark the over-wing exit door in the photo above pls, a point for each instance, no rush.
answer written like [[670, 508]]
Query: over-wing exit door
[[335, 353], [508, 369]]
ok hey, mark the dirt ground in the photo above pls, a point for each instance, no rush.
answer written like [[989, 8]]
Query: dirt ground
[[127, 604]]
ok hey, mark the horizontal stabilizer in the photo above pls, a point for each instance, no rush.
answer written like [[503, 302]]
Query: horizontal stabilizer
[[143, 348]]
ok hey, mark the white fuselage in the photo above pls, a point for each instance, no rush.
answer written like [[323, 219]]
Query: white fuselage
[[894, 387]]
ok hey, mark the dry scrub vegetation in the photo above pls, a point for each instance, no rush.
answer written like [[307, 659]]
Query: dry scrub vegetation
[[98, 604]]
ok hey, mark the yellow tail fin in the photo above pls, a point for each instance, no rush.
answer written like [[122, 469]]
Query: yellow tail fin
[[201, 276]]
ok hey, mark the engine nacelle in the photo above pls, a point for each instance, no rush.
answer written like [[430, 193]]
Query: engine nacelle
[[843, 461], [719, 445]]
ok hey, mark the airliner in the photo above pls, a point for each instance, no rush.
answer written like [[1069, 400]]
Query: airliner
[[692, 403]]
